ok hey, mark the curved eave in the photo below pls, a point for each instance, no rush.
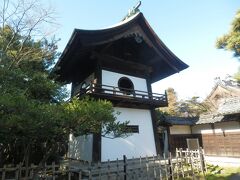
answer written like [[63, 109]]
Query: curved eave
[[81, 39]]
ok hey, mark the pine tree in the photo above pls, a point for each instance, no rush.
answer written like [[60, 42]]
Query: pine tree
[[231, 40]]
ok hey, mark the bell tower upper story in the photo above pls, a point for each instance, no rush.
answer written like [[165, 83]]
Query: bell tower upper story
[[119, 61]]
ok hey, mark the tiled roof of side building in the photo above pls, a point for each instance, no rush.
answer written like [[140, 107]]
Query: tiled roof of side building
[[209, 118], [229, 106], [229, 110], [180, 120]]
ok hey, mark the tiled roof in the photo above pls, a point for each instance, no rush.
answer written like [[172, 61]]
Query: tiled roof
[[180, 120], [209, 118], [228, 86], [228, 110], [229, 106]]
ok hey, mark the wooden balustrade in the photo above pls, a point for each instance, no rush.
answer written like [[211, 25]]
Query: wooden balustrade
[[112, 92]]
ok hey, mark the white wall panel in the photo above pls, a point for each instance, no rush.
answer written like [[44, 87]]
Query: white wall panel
[[136, 145], [111, 79], [202, 129], [230, 126], [180, 129]]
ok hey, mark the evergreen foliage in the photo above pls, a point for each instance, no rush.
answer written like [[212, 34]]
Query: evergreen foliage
[[191, 107], [35, 119], [231, 40]]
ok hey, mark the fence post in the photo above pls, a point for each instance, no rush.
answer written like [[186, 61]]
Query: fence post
[[99, 170], [159, 166], [154, 168], [132, 170], [191, 163], [20, 171], [108, 169], [4, 172], [170, 165], [202, 161], [80, 175], [205, 165], [147, 166], [89, 170], [45, 170], [182, 161], [117, 169], [141, 174], [69, 175], [16, 172], [31, 171], [125, 167], [53, 170], [177, 166], [187, 159], [165, 166]]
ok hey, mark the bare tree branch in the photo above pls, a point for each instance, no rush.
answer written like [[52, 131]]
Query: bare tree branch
[[25, 18]]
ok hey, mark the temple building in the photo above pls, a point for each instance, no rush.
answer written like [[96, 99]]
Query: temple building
[[119, 64]]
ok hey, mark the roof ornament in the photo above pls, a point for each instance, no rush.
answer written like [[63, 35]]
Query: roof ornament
[[133, 11]]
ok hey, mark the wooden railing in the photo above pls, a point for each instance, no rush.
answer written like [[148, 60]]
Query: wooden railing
[[100, 89]]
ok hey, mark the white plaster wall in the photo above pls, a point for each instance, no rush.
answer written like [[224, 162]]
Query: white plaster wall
[[202, 129], [111, 79], [230, 126], [136, 145], [180, 129], [80, 147]]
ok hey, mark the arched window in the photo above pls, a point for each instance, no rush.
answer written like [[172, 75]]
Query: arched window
[[126, 85]]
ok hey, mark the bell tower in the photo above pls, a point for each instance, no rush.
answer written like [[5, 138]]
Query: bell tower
[[119, 64]]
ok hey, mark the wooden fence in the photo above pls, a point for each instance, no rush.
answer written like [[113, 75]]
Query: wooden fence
[[184, 164], [52, 171]]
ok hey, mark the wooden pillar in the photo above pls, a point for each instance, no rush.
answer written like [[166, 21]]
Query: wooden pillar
[[97, 138], [156, 136], [96, 152]]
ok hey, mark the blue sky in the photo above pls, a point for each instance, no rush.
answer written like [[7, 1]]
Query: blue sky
[[188, 27]]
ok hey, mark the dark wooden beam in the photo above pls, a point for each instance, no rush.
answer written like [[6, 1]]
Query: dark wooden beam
[[97, 138], [168, 134], [154, 121], [154, 42], [156, 137], [97, 144], [125, 66]]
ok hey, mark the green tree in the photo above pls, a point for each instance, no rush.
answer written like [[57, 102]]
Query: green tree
[[35, 119], [161, 115], [231, 40], [191, 107]]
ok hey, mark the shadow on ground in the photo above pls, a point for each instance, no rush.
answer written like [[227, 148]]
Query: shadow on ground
[[220, 173]]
